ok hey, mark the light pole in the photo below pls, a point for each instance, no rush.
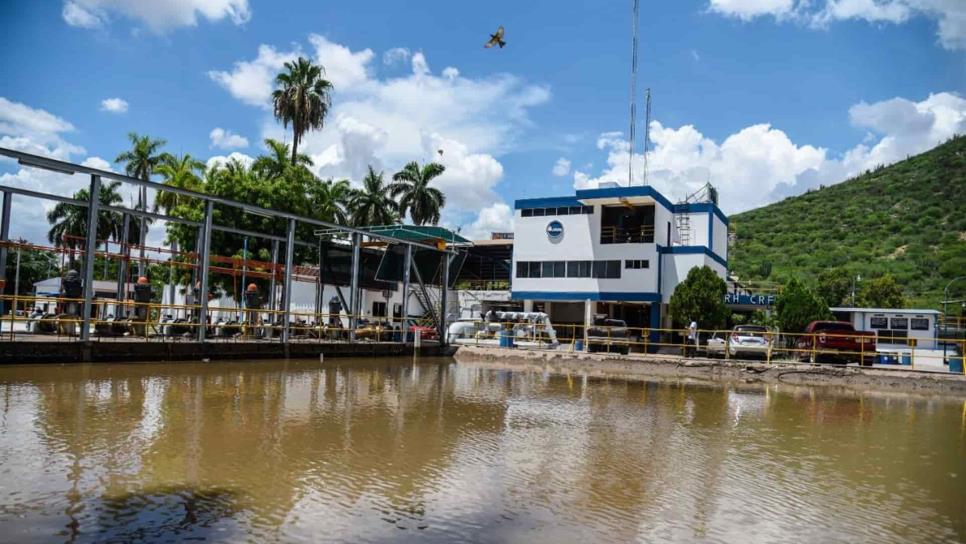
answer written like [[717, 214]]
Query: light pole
[[857, 278], [945, 316]]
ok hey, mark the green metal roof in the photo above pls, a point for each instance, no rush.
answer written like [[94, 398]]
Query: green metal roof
[[419, 233]]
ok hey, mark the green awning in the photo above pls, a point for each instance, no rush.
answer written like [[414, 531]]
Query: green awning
[[419, 233]]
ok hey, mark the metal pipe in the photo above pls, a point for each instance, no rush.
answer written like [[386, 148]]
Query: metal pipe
[[287, 293], [444, 287], [354, 287], [404, 311], [319, 286], [272, 285], [91, 246], [142, 231], [122, 265], [4, 237], [205, 258]]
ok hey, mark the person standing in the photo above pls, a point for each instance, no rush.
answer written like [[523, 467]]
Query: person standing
[[692, 339]]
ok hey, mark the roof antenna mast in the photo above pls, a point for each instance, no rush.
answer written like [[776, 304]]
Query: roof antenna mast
[[630, 161], [647, 129]]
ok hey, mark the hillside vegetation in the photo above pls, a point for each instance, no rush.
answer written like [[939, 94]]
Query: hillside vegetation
[[907, 220]]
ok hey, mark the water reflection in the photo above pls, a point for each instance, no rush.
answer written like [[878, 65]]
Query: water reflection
[[390, 450]]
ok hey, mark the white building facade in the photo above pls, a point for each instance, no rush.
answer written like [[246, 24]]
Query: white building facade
[[618, 251]]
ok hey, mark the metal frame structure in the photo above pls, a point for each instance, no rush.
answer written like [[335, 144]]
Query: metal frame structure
[[205, 229]]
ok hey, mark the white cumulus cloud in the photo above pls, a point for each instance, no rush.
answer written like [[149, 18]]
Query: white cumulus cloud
[[396, 55], [388, 121], [495, 218], [157, 15], [760, 164], [950, 15], [561, 167], [221, 160], [251, 81], [226, 139], [114, 105]]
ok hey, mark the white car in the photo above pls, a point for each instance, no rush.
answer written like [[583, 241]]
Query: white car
[[717, 344], [751, 340]]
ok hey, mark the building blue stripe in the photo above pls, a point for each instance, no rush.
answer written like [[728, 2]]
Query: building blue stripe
[[693, 250], [550, 202], [581, 295], [618, 192], [696, 207]]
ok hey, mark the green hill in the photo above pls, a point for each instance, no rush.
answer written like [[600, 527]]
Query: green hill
[[907, 220]]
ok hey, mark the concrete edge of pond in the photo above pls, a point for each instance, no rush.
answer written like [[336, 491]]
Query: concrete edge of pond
[[674, 367], [129, 351]]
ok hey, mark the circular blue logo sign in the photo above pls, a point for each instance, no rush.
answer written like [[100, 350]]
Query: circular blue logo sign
[[555, 231]]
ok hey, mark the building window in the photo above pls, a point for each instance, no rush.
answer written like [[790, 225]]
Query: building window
[[569, 269], [919, 324], [378, 309], [900, 323], [539, 212], [879, 323], [526, 212], [588, 210], [576, 210], [627, 224], [636, 264]]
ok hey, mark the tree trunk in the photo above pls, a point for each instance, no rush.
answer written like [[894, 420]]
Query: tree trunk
[[295, 142]]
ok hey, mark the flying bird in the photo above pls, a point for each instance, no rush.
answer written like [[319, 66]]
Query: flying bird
[[496, 39]]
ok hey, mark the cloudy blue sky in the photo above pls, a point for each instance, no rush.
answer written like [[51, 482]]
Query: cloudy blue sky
[[765, 98]]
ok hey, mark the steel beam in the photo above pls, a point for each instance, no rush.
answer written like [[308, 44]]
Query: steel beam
[[91, 246], [354, 297], [404, 310], [287, 293], [205, 256], [4, 237]]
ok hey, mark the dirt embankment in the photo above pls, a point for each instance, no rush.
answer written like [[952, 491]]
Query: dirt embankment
[[661, 367]]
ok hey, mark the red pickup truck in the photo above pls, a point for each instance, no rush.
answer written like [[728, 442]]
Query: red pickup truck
[[836, 340]]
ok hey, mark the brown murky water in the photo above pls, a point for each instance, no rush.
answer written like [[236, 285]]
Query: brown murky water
[[385, 450]]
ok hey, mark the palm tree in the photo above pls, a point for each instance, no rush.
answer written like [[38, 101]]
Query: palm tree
[[179, 172], [411, 185], [69, 222], [301, 97], [140, 162], [372, 204], [330, 199], [275, 164]]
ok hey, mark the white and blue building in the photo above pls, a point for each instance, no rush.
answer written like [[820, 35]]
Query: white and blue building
[[615, 251]]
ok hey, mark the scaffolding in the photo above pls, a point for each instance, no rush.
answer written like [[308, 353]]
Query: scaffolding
[[281, 275]]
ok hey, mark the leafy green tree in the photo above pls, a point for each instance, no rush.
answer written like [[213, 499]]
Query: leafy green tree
[[834, 286], [700, 297], [181, 173], [411, 186], [881, 292], [277, 163], [797, 306], [330, 200], [35, 265], [302, 99], [371, 205], [140, 162], [69, 222]]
